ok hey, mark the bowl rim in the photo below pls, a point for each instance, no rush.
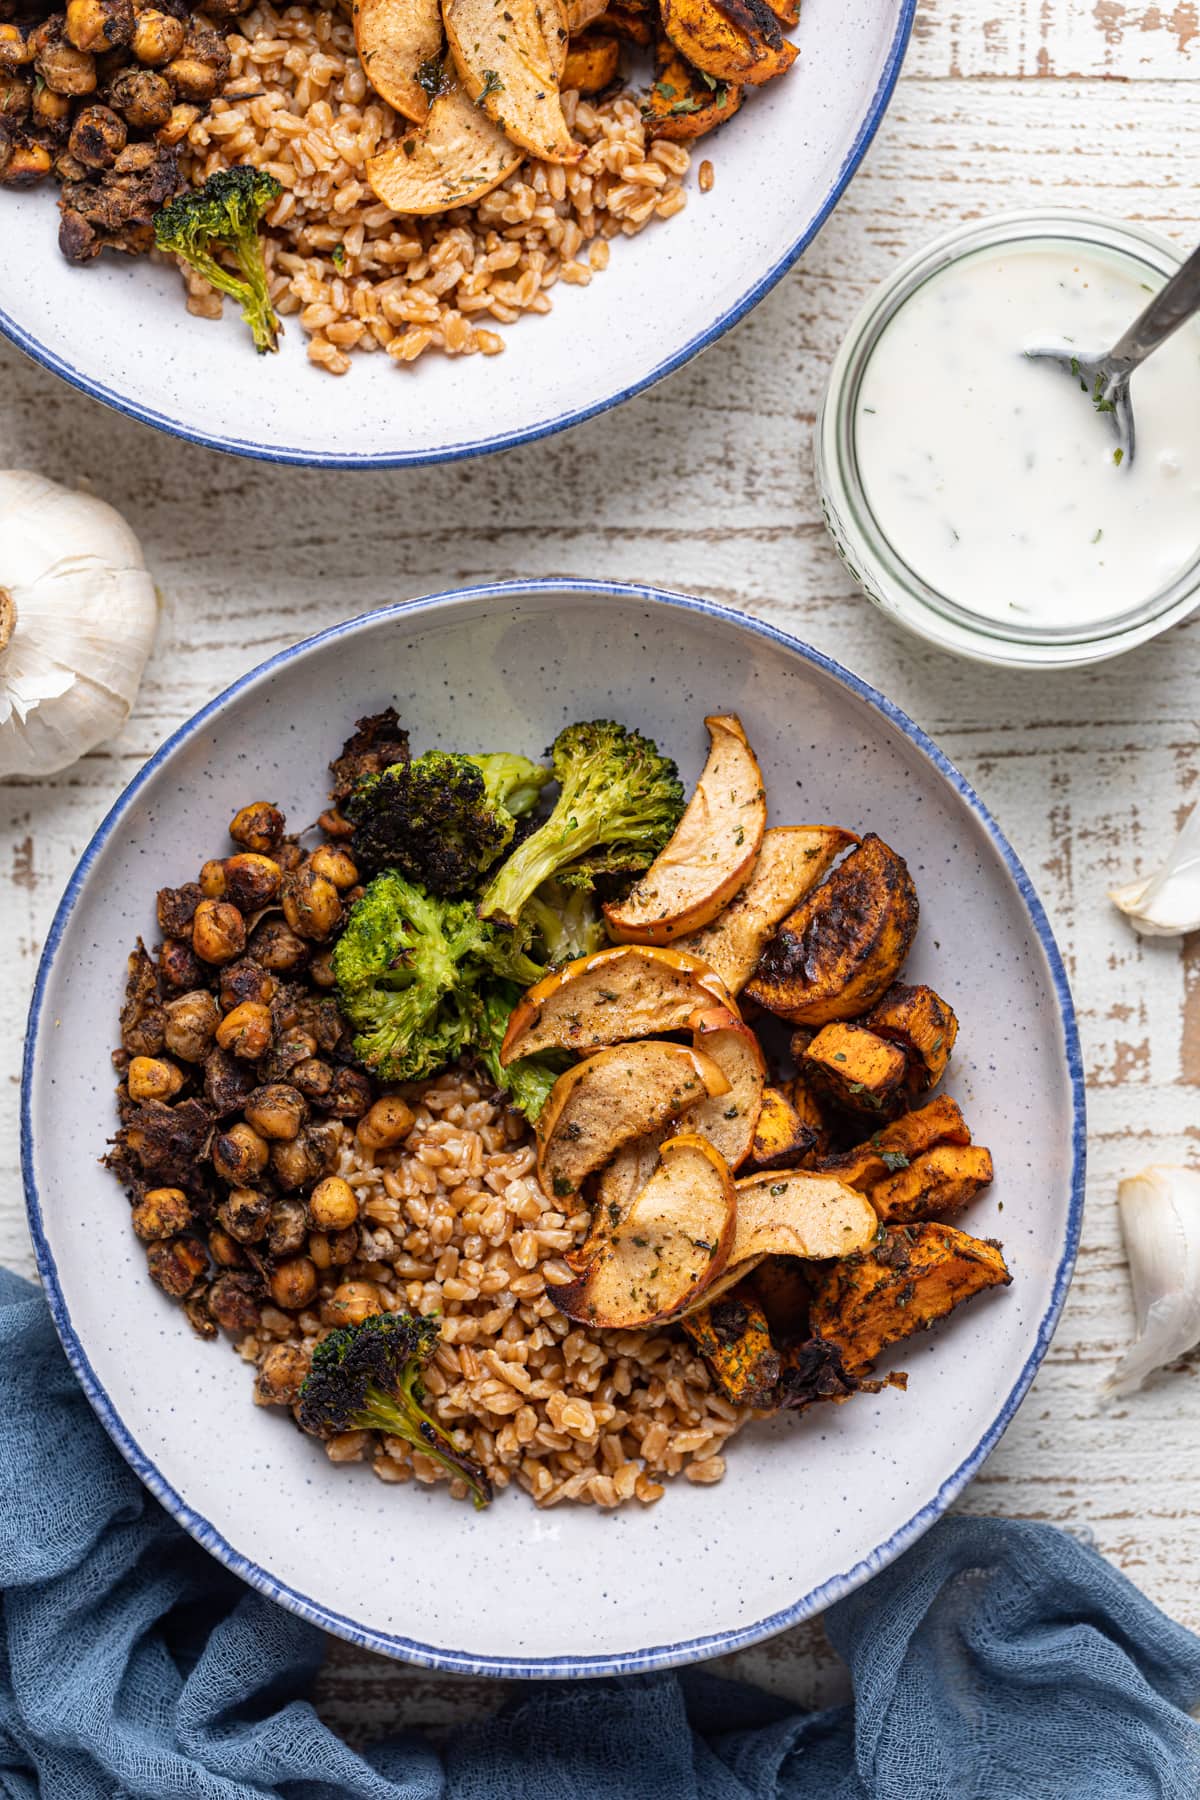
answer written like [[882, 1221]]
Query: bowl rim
[[96, 388], [655, 1656]]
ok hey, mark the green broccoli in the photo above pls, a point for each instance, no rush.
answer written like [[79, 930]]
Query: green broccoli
[[620, 800], [528, 1081], [443, 819], [563, 922], [223, 216], [368, 1378]]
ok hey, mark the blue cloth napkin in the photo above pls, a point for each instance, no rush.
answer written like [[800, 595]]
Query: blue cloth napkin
[[994, 1661]]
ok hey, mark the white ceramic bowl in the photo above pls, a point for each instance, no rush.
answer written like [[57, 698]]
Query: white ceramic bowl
[[119, 330], [810, 1506]]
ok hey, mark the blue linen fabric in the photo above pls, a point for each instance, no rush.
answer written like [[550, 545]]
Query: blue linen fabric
[[994, 1661]]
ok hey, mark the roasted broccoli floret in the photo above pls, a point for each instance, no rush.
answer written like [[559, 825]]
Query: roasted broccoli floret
[[443, 819], [528, 1081], [620, 800], [368, 1378], [563, 923], [223, 218]]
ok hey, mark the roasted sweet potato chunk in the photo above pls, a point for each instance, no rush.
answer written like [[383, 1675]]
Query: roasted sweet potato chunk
[[629, 19], [842, 948], [781, 1288], [936, 1182], [684, 104], [923, 1025], [593, 60], [733, 1337], [894, 1146], [913, 1277], [856, 1071], [783, 1139], [582, 13], [731, 40]]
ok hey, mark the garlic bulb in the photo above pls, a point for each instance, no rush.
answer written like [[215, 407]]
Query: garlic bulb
[[77, 618], [1167, 904], [1160, 1222]]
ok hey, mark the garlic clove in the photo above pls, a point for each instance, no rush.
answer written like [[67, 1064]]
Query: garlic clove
[[1167, 904], [1160, 1223]]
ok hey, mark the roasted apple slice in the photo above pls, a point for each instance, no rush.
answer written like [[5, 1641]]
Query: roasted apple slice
[[671, 1244], [508, 59], [401, 45], [612, 1097], [456, 156], [793, 1212], [617, 1187], [633, 991], [842, 948], [729, 1121], [684, 104], [791, 861], [731, 40], [711, 853], [593, 60]]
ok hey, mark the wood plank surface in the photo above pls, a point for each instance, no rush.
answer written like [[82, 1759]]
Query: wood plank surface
[[1069, 101]]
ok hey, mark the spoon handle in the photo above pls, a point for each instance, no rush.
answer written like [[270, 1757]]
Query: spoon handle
[[1170, 308]]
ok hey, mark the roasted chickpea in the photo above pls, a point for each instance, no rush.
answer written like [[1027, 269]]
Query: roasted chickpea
[[245, 1214], [281, 1375], [276, 946], [144, 100], [150, 1078], [313, 1078], [350, 1095], [227, 1082], [386, 1124], [100, 24], [223, 1249], [97, 138], [60, 65], [67, 169], [335, 864], [289, 855], [321, 971], [296, 1163], [332, 1204], [25, 165], [179, 965], [335, 824], [245, 980], [251, 881], [310, 903], [246, 1031], [351, 1303], [16, 98], [162, 1213], [239, 1155], [288, 1227], [293, 1283], [50, 112], [16, 47], [189, 1025], [218, 931], [176, 129], [212, 880], [157, 37], [276, 1111], [259, 826], [177, 1264], [233, 1302], [175, 908], [196, 1311]]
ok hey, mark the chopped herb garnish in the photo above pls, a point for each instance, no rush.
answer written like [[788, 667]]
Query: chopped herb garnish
[[1118, 457], [339, 257], [431, 77], [492, 84], [894, 1160]]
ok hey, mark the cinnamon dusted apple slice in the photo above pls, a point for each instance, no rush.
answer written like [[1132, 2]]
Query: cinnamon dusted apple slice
[[455, 157], [400, 44], [795, 1213], [792, 860], [614, 1096], [617, 1187], [729, 1121], [509, 58], [672, 1243], [634, 991], [711, 853]]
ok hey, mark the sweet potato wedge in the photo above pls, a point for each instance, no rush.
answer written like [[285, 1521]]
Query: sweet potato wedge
[[400, 44], [783, 1138], [913, 1277], [711, 852], [632, 991], [792, 859], [894, 1146], [684, 104], [582, 13], [611, 1098], [923, 1025], [455, 157], [593, 60], [672, 1243], [855, 1071], [935, 1182], [632, 20], [729, 1121], [508, 60], [842, 948], [781, 1288], [733, 40], [733, 1337]]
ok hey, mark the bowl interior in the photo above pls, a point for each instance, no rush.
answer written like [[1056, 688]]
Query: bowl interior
[[120, 329], [810, 1504]]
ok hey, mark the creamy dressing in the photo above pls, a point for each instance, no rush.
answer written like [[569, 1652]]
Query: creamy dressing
[[993, 476]]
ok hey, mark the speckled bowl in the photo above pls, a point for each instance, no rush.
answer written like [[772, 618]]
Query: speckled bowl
[[119, 331], [810, 1506]]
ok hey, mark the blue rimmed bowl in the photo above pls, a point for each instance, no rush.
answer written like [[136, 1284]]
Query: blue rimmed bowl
[[810, 1507]]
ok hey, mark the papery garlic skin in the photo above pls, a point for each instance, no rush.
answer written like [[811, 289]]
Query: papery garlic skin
[[1167, 904], [85, 614], [1160, 1222]]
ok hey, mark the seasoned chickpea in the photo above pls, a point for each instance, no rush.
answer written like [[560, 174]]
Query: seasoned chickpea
[[233, 1301], [276, 1111], [245, 980], [293, 1283], [335, 864], [351, 1303], [310, 903], [251, 881], [190, 1024], [218, 932], [281, 1375], [16, 47], [151, 1078], [144, 100], [212, 879], [330, 1250], [335, 824], [157, 37], [288, 1227], [97, 138], [223, 1249], [245, 1214], [179, 965], [321, 969], [25, 165], [386, 1124], [289, 855], [49, 111], [239, 1155], [246, 1031], [259, 826], [332, 1204], [100, 24], [296, 1163], [350, 1095], [60, 65], [17, 98], [313, 1078], [177, 1264], [276, 946], [174, 131], [162, 1213]]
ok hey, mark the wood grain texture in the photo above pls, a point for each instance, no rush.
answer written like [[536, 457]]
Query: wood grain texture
[[1054, 101]]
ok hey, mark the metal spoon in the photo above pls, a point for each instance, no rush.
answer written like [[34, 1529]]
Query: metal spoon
[[1105, 379]]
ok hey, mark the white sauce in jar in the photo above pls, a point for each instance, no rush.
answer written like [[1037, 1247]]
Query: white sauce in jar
[[993, 476]]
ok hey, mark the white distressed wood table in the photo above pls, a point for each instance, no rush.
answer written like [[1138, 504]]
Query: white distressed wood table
[[705, 484]]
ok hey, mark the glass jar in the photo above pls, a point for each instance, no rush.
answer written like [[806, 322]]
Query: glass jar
[[882, 573]]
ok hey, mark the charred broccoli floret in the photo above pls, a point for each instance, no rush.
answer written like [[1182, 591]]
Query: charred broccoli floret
[[368, 1378], [443, 819], [563, 922], [620, 800], [528, 1081], [223, 218]]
